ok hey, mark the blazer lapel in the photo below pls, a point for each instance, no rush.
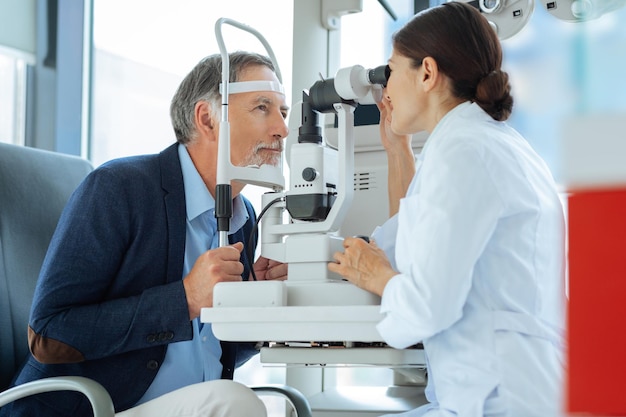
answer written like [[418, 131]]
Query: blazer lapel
[[174, 199]]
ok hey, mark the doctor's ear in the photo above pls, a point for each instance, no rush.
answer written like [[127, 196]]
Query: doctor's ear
[[430, 73]]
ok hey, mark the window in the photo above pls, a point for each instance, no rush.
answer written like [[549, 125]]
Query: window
[[12, 99], [374, 42], [142, 54]]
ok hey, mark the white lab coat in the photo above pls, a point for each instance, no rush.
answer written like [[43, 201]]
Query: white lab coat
[[479, 244]]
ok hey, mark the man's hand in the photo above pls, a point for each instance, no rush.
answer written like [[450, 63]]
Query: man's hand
[[213, 266], [268, 269]]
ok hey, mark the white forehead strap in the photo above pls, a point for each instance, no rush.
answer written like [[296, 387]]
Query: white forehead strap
[[250, 86]]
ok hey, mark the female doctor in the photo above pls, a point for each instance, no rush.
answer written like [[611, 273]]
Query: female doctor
[[471, 262]]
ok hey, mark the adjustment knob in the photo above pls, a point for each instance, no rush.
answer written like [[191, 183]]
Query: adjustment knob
[[309, 174]]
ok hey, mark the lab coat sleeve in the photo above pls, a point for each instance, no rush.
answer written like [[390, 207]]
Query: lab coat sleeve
[[444, 224], [385, 238]]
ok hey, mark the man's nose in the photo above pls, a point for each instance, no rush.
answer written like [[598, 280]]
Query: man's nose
[[281, 129]]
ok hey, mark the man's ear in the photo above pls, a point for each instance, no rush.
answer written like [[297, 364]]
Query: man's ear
[[203, 119]]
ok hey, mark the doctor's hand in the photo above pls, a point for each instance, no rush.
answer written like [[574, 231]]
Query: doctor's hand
[[393, 143], [213, 266], [400, 158], [364, 264], [269, 269]]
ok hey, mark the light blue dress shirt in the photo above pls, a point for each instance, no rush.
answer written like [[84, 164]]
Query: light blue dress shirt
[[198, 359]]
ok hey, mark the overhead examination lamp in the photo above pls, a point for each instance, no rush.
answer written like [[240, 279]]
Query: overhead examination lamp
[[580, 10], [265, 175], [506, 17]]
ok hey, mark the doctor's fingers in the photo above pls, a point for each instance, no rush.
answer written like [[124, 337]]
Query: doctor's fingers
[[358, 248], [347, 264], [385, 109], [384, 102], [344, 269], [354, 242]]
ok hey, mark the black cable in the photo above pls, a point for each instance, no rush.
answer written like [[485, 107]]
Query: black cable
[[253, 234]]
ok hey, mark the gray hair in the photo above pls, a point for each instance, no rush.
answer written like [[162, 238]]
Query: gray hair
[[203, 84]]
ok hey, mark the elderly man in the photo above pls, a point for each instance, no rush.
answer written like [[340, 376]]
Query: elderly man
[[135, 257]]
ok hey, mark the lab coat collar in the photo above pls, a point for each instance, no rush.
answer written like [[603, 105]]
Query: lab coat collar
[[465, 110]]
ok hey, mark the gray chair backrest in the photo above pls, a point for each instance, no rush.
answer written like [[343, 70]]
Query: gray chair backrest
[[34, 187]]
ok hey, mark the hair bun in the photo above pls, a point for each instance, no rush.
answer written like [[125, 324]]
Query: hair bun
[[493, 95]]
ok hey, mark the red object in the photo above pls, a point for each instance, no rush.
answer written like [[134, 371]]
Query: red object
[[596, 381]]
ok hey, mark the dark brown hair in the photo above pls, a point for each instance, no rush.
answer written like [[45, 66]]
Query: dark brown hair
[[467, 51]]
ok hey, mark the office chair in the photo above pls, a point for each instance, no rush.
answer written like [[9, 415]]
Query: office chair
[[34, 187]]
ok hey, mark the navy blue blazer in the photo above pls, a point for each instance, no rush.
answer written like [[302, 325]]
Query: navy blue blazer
[[110, 296]]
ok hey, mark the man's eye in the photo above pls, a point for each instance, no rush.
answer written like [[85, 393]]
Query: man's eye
[[262, 107], [284, 115]]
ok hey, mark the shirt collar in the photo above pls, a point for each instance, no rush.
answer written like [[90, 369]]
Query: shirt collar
[[199, 200]]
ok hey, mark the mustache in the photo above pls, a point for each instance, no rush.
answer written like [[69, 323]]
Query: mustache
[[276, 146]]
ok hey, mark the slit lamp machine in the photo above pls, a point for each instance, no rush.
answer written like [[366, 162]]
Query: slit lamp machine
[[299, 226]]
